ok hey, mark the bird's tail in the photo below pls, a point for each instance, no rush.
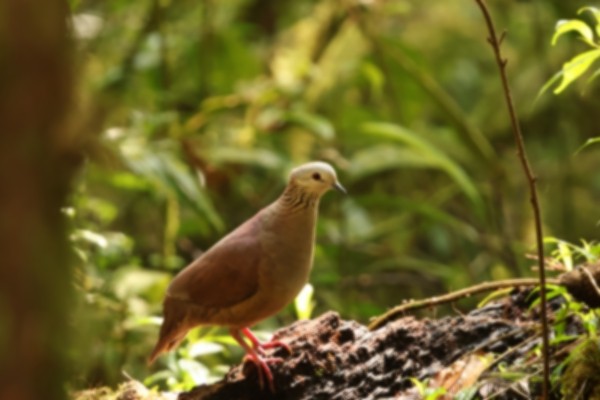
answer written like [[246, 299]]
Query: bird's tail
[[173, 329]]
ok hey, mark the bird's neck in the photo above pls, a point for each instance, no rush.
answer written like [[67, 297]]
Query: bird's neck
[[297, 200]]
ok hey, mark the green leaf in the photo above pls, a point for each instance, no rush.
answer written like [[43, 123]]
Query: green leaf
[[431, 211], [170, 175], [145, 320], [595, 75], [90, 237], [555, 78], [132, 281], [565, 255], [304, 303], [577, 66], [248, 156], [596, 13], [203, 348], [129, 181], [467, 393], [568, 25], [421, 386], [493, 296], [374, 76], [384, 157], [589, 142], [314, 123], [193, 371], [189, 189], [428, 153]]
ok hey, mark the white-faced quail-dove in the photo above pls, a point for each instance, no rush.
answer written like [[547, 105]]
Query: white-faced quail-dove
[[253, 272]]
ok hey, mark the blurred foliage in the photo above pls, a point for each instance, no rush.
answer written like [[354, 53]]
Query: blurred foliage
[[581, 63], [576, 375], [196, 110]]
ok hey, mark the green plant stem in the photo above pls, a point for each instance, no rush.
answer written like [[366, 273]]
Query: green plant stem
[[495, 43]]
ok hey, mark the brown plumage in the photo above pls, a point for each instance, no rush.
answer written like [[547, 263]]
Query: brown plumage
[[253, 272]]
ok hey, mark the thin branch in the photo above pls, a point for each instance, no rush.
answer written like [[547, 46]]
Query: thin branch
[[400, 310], [495, 41]]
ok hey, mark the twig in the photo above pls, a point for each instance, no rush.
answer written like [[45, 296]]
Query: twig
[[495, 43], [399, 311]]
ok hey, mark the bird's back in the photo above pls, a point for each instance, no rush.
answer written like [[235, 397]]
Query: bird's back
[[224, 275]]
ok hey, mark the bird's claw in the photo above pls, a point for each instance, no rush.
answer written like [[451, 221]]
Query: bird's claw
[[274, 344], [256, 355], [264, 372], [260, 347]]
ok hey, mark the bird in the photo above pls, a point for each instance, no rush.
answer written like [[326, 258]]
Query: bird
[[251, 273]]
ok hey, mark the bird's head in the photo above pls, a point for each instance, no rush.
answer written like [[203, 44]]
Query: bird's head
[[315, 177]]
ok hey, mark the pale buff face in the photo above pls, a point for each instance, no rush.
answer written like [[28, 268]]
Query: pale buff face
[[316, 177]]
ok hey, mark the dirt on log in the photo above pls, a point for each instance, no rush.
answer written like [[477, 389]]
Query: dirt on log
[[337, 359]]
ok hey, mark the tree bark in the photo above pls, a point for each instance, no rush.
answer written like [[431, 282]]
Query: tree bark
[[35, 172], [335, 359]]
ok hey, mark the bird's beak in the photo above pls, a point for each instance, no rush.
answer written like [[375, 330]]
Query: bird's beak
[[338, 186]]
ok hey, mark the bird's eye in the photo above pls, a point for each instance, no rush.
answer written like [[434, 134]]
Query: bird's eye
[[316, 176]]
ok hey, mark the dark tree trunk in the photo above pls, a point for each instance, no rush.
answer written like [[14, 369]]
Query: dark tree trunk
[[35, 171]]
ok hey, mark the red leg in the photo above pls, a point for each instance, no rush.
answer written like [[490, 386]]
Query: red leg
[[269, 345], [264, 372]]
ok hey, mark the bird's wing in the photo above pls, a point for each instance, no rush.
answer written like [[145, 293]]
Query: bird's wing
[[226, 274]]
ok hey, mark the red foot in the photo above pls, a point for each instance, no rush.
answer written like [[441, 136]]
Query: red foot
[[264, 372], [275, 344], [254, 354], [261, 346]]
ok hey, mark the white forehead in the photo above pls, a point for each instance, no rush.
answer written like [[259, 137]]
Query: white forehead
[[315, 166]]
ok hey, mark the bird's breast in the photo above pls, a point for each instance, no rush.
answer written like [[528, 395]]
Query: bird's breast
[[289, 248]]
